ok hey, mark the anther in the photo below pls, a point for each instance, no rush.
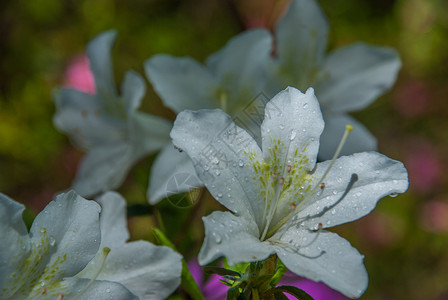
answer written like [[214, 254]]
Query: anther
[[319, 227], [322, 185], [274, 175], [281, 180], [289, 168], [44, 291], [178, 149], [60, 297], [292, 205]]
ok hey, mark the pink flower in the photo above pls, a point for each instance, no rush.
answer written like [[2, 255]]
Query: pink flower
[[78, 75]]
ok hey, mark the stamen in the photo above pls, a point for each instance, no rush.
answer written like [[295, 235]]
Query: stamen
[[289, 168], [60, 297], [178, 149], [320, 183], [44, 291], [106, 252]]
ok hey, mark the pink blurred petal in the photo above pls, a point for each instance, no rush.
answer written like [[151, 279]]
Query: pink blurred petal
[[434, 216], [78, 75], [425, 168], [318, 290], [412, 100]]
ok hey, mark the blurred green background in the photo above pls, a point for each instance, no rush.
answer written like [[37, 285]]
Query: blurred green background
[[405, 239]]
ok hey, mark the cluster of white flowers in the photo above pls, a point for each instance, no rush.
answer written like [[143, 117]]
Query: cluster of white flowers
[[263, 160]]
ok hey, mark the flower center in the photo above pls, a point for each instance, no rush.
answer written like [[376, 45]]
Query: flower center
[[288, 185]]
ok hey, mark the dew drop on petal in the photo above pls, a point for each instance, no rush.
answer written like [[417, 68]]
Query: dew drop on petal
[[52, 241], [282, 126], [217, 238], [219, 195], [241, 163], [393, 195], [293, 135], [218, 172], [305, 105]]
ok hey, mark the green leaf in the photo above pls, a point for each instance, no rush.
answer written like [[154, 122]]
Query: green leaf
[[220, 271], [296, 292], [188, 282], [233, 293], [279, 272], [280, 296]]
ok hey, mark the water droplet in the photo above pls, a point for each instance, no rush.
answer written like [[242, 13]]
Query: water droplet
[[219, 195], [241, 163], [305, 105], [393, 195], [282, 126], [217, 238], [293, 135], [215, 161], [206, 167], [334, 192], [107, 290], [333, 211], [52, 241], [218, 172]]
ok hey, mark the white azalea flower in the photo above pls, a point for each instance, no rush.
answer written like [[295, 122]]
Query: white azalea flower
[[74, 252], [280, 199], [230, 80], [107, 125], [346, 80]]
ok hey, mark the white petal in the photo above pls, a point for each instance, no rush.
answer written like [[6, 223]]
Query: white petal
[[234, 237], [360, 139], [352, 77], [81, 116], [238, 67], [114, 232], [293, 123], [182, 83], [220, 153], [132, 91], [377, 176], [326, 257], [103, 168], [100, 289], [301, 37], [168, 165], [149, 271], [66, 236], [149, 133], [113, 222], [15, 245], [99, 53]]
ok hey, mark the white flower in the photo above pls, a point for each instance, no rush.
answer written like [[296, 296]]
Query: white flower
[[280, 199], [230, 80], [74, 252], [107, 125], [346, 80]]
